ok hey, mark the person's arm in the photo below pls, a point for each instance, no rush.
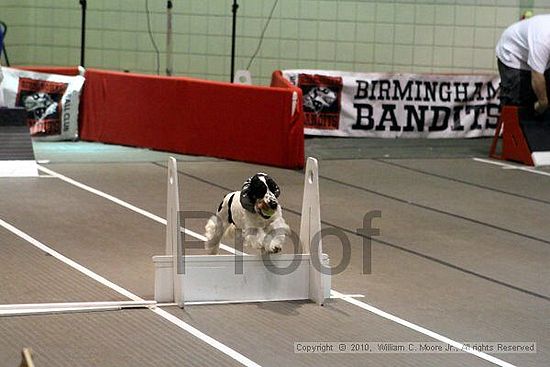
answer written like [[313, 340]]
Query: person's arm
[[538, 82]]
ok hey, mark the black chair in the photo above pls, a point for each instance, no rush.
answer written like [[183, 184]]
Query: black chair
[[3, 32]]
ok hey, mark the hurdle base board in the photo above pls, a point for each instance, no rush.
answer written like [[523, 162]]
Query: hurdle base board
[[541, 158], [211, 279], [18, 168]]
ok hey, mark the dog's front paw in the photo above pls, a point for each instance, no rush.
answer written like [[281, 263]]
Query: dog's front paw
[[275, 245], [275, 249]]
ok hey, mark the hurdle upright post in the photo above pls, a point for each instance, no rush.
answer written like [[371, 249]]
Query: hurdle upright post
[[310, 231], [173, 237]]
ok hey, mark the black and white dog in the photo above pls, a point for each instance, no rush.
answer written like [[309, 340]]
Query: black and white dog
[[256, 211]]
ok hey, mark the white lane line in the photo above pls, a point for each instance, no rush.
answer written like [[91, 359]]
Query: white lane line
[[419, 329], [68, 261], [340, 296], [174, 320], [127, 205], [199, 334], [346, 298], [507, 166]]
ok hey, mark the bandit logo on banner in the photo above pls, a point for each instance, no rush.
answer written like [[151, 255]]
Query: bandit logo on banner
[[322, 100], [398, 105], [41, 99], [51, 100]]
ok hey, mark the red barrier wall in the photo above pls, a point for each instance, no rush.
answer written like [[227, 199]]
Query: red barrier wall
[[298, 117], [191, 116]]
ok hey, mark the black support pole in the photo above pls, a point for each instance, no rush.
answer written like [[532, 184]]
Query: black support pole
[[84, 5], [233, 38], [4, 31], [169, 42]]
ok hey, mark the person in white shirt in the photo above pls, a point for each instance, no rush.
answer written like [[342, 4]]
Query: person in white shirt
[[1, 90], [523, 54], [1, 74]]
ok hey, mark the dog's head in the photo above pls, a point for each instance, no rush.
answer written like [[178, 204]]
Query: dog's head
[[263, 192]]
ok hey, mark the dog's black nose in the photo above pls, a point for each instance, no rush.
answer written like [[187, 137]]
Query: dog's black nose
[[273, 204]]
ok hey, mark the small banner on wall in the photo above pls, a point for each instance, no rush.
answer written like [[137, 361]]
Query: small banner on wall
[[51, 101], [398, 105]]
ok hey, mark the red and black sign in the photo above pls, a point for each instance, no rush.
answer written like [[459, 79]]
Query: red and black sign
[[322, 100], [42, 101]]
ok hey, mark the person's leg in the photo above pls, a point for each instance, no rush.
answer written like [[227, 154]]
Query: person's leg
[[509, 81], [526, 95], [515, 86]]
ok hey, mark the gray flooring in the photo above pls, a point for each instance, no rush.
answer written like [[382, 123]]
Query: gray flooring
[[463, 251]]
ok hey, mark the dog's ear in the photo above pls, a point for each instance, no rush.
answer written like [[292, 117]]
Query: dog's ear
[[255, 188], [273, 187]]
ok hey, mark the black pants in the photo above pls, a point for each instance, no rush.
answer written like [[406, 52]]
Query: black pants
[[515, 86]]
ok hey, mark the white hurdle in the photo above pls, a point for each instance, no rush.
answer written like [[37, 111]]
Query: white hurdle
[[210, 279]]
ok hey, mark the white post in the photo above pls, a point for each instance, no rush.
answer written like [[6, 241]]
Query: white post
[[294, 103], [310, 230], [70, 307], [173, 238]]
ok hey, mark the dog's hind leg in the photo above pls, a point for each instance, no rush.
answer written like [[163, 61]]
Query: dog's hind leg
[[214, 230]]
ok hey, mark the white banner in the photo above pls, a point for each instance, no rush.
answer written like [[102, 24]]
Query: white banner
[[398, 105], [51, 101]]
